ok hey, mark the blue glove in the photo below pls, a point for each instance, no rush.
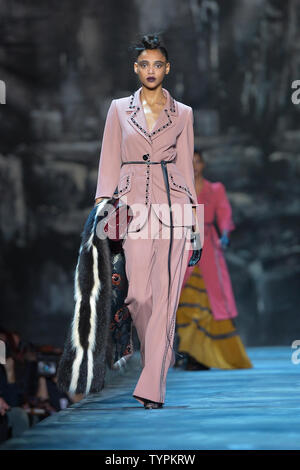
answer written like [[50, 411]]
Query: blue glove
[[224, 240], [197, 249]]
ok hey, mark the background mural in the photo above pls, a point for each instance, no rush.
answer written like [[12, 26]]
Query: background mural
[[64, 61]]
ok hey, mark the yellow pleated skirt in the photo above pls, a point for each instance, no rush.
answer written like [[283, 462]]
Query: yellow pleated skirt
[[213, 343]]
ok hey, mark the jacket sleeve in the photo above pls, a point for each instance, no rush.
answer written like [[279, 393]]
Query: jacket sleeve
[[110, 156], [223, 210], [185, 156]]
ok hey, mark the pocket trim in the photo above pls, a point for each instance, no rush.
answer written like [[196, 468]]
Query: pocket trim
[[179, 186], [127, 186]]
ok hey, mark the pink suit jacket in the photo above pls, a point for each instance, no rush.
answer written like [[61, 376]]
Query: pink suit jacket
[[126, 137]]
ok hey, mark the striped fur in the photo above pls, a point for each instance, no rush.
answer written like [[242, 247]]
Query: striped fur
[[83, 362]]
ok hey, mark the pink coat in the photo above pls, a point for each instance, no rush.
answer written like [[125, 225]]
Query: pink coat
[[212, 262], [126, 137]]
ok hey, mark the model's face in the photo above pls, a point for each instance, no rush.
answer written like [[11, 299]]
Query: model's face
[[151, 63], [198, 165]]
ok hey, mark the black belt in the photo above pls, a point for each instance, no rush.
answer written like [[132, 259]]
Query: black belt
[[166, 180]]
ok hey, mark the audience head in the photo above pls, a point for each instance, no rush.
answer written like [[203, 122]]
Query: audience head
[[198, 162]]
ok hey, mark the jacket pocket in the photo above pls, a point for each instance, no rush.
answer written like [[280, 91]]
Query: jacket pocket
[[124, 185], [177, 183]]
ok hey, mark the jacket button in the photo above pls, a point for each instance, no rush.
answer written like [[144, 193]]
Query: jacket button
[[146, 156]]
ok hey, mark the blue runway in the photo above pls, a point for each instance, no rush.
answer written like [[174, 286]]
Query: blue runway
[[245, 409]]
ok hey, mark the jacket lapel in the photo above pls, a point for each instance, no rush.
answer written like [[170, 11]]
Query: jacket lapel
[[137, 119]]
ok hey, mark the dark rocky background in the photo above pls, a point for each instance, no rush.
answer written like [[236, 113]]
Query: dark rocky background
[[63, 62]]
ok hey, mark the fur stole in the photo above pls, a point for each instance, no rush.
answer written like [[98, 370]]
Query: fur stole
[[100, 333]]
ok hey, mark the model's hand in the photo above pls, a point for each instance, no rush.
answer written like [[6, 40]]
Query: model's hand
[[224, 240], [197, 249], [195, 258]]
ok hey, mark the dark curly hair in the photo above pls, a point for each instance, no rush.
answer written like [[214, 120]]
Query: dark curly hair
[[149, 41]]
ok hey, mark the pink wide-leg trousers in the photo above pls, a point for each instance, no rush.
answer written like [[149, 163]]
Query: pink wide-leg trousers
[[147, 273]]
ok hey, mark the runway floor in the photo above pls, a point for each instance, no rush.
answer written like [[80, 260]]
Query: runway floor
[[246, 409]]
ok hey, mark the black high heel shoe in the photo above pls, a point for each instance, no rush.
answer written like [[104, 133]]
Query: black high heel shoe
[[193, 364], [148, 405]]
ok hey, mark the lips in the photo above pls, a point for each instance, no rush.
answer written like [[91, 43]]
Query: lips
[[151, 79]]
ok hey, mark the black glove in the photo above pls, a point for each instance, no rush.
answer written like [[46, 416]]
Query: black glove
[[197, 249]]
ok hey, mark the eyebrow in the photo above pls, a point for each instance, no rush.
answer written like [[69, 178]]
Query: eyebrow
[[156, 61]]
